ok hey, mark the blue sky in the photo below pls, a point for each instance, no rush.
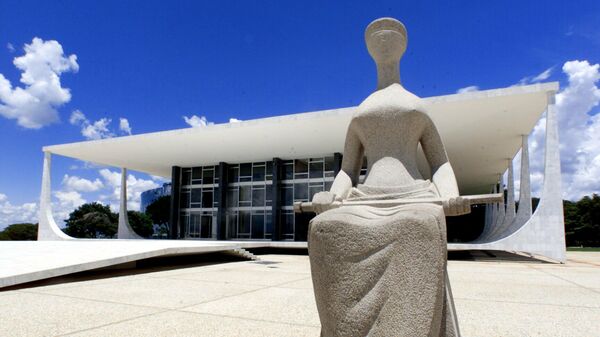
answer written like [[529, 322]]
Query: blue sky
[[154, 62]]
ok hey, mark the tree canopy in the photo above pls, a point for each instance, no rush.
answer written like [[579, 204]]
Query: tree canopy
[[20, 231], [582, 221], [94, 220], [159, 212]]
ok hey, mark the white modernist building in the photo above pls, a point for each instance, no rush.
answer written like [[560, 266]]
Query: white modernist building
[[239, 180]]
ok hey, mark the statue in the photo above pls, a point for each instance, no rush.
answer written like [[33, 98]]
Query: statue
[[381, 271]]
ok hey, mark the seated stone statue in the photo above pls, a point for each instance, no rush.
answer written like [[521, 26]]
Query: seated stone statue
[[381, 271]]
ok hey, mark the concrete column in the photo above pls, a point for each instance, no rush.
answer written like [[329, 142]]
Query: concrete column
[[510, 196], [47, 228], [276, 200], [222, 210], [524, 212], [125, 231], [175, 195]]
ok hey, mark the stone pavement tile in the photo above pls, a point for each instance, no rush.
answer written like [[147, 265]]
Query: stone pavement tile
[[246, 276], [305, 283], [527, 294], [154, 292], [30, 315], [497, 319], [184, 324], [521, 277], [489, 267], [285, 305], [588, 277]]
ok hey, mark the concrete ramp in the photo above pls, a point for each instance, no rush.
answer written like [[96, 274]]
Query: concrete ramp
[[26, 261]]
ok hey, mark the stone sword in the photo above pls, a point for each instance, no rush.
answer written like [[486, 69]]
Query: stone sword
[[307, 207]]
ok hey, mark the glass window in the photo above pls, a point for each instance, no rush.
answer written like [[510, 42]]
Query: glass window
[[246, 170], [300, 166], [287, 194], [197, 175], [288, 170], [207, 198], [316, 169], [185, 199], [231, 219], [268, 224], [269, 168], [196, 195], [300, 192], [328, 186], [186, 175], [234, 173], [244, 222], [232, 197], [258, 173], [329, 162], [208, 176], [206, 226], [300, 169], [287, 223], [258, 197], [268, 192], [258, 226], [245, 193]]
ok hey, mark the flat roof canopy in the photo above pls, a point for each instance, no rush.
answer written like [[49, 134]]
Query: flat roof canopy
[[481, 131]]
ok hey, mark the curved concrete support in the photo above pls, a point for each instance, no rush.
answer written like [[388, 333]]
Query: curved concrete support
[[125, 231], [524, 212], [491, 213], [47, 228], [544, 233], [500, 214], [509, 214]]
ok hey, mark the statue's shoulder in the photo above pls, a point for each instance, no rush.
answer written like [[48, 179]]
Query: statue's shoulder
[[393, 99]]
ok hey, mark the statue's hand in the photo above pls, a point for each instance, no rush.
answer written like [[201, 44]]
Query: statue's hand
[[323, 201], [456, 206]]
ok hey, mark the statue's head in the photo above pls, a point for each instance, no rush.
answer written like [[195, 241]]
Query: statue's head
[[386, 40]]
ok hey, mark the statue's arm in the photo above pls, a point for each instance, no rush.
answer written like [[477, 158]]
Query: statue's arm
[[442, 174], [351, 164]]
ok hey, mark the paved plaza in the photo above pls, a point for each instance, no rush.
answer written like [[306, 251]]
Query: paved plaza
[[213, 296]]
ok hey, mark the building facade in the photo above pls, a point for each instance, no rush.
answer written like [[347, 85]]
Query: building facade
[[152, 195]]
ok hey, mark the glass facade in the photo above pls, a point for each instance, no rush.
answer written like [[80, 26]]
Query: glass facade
[[250, 196], [199, 202]]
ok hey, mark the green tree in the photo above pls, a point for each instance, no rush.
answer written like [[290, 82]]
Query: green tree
[[20, 231], [92, 220], [159, 211], [141, 223]]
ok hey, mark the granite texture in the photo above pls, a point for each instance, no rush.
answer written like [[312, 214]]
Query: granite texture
[[382, 271]]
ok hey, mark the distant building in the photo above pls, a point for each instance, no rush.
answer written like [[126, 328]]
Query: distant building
[[152, 195]]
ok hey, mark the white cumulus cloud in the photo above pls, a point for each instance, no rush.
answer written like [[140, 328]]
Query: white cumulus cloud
[[74, 183], [197, 122], [11, 214], [124, 126], [98, 129], [135, 187], [579, 130], [234, 120], [35, 105]]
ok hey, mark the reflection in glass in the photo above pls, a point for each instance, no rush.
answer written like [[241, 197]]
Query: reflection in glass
[[300, 192], [207, 176], [258, 197], [258, 173], [316, 170]]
